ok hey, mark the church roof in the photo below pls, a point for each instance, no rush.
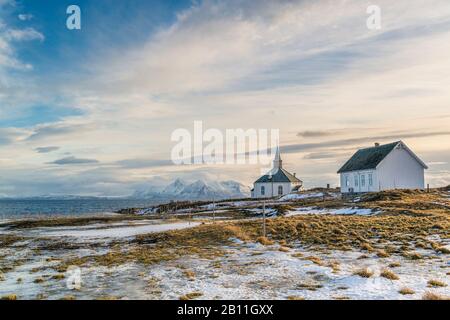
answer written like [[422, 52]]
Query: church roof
[[368, 158], [280, 175]]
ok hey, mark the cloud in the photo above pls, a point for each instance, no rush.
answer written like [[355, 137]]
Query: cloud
[[317, 133], [25, 16], [43, 132], [322, 155], [27, 34], [143, 163], [73, 160], [46, 149], [9, 135], [237, 63], [300, 147]]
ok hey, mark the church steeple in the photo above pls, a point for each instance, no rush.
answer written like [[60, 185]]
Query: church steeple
[[277, 162]]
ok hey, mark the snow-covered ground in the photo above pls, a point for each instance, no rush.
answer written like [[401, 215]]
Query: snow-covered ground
[[299, 196], [342, 211], [122, 232], [258, 272], [124, 229], [247, 271]]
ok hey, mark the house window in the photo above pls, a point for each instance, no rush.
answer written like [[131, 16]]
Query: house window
[[356, 180], [280, 190], [347, 181], [263, 190], [363, 180], [370, 179]]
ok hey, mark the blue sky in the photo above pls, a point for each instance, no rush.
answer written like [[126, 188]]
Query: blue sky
[[91, 111]]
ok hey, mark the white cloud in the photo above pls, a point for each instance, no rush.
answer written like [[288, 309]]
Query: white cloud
[[26, 34], [25, 16], [293, 65]]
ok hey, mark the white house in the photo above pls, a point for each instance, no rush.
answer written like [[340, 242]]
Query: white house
[[277, 182], [383, 167]]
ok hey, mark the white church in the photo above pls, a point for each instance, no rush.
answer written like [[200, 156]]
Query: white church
[[382, 167], [277, 182]]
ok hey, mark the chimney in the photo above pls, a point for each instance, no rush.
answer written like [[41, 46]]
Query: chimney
[[377, 144], [294, 174]]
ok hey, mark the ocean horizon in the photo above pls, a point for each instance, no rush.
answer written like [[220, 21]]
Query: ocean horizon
[[33, 208]]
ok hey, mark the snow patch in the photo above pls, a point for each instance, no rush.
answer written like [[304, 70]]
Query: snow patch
[[342, 211]]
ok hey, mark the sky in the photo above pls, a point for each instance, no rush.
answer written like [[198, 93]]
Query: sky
[[92, 111]]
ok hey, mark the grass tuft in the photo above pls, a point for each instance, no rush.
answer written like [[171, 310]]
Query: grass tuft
[[264, 241], [388, 274], [191, 296], [295, 298], [364, 272], [406, 291], [433, 296], [433, 283], [383, 254]]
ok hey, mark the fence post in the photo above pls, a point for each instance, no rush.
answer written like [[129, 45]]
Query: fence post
[[264, 218], [214, 210]]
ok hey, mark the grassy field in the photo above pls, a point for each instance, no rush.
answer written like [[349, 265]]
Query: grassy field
[[410, 228]]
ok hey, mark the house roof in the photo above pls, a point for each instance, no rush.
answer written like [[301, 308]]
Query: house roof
[[370, 158], [280, 175]]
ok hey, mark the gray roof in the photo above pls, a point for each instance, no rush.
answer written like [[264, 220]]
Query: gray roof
[[280, 176], [368, 158]]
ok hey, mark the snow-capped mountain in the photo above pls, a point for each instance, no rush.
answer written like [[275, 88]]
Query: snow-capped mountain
[[175, 187], [198, 190]]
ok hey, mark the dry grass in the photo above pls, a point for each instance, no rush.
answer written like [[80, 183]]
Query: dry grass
[[364, 272], [443, 250], [433, 283], [412, 255], [191, 296], [406, 291], [284, 249], [39, 280], [383, 254], [341, 298], [366, 246], [58, 276], [335, 265], [433, 296], [309, 286], [388, 274], [315, 260], [189, 274], [264, 241], [394, 265], [295, 298], [9, 239], [68, 221], [9, 297]]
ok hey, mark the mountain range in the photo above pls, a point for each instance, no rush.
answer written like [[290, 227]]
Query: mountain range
[[198, 190]]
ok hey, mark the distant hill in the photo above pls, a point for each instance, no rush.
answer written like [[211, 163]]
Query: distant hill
[[198, 190]]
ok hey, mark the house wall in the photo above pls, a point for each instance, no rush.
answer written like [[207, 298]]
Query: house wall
[[359, 181], [287, 187], [400, 170]]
